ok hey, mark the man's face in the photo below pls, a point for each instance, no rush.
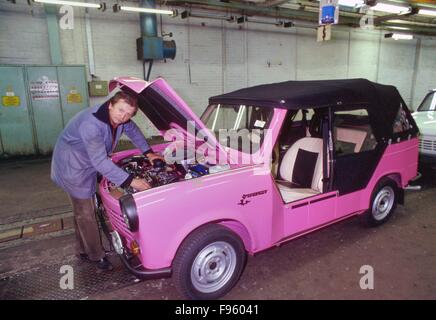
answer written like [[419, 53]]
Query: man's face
[[120, 112]]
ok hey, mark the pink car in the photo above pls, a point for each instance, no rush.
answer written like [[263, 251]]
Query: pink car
[[262, 166]]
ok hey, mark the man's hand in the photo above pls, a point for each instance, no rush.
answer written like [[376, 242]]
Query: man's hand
[[139, 184], [154, 156]]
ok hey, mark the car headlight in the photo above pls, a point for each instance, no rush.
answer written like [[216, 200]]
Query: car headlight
[[129, 212]]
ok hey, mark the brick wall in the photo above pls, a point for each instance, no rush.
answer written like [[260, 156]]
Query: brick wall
[[215, 56]]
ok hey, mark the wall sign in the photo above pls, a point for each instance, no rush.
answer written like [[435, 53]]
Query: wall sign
[[10, 99], [328, 12], [74, 97], [44, 88]]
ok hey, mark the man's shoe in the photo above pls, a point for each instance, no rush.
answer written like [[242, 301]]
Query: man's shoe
[[104, 264]]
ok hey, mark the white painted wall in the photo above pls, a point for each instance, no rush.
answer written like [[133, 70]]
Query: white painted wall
[[215, 57], [23, 35]]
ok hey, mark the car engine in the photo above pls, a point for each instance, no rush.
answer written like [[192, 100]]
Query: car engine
[[155, 175], [161, 173]]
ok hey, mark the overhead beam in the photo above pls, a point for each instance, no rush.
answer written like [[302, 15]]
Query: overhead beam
[[401, 16], [251, 8], [427, 31], [346, 18]]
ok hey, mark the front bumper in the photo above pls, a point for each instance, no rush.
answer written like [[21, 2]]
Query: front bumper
[[138, 271]]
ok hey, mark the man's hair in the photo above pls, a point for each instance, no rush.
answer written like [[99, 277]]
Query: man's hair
[[127, 97]]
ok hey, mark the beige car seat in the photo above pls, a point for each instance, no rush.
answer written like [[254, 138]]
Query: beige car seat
[[304, 153]]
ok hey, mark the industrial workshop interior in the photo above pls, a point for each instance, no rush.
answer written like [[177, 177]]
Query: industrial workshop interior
[[234, 150]]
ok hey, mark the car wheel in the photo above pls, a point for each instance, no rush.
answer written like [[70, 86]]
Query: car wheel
[[208, 263], [383, 203]]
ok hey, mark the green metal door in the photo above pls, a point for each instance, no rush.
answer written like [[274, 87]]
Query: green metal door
[[43, 88], [73, 90], [16, 136]]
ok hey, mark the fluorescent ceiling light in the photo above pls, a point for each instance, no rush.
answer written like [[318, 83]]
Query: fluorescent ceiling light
[[390, 8], [345, 3], [398, 28], [351, 3], [399, 36], [71, 3], [427, 12], [146, 10], [293, 6], [398, 21]]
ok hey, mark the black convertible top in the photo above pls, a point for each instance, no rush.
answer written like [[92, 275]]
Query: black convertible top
[[382, 101], [308, 94]]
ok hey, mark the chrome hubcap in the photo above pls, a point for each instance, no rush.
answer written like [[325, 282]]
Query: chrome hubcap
[[213, 267], [383, 203]]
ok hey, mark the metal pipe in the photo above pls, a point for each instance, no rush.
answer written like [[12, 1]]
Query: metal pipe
[[420, 3], [415, 29], [410, 23], [349, 19], [251, 8], [148, 21], [89, 44], [53, 34], [401, 16], [309, 13], [272, 3], [415, 72], [210, 16]]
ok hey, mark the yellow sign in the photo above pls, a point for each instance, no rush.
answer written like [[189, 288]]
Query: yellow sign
[[74, 98], [11, 101]]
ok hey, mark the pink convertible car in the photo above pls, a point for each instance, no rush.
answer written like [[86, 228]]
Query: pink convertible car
[[262, 166]]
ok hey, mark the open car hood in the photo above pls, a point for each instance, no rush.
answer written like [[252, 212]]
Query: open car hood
[[165, 109], [160, 103]]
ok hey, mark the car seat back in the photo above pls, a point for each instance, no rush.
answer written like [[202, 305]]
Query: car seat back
[[303, 162]]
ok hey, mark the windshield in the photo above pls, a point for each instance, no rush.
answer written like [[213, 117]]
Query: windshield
[[239, 127], [429, 103]]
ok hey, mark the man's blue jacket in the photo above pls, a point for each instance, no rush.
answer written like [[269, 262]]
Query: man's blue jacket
[[84, 148]]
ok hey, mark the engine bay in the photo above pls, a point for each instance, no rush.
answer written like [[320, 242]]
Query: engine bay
[[160, 173]]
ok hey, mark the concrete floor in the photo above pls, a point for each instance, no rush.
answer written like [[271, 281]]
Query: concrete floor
[[322, 265], [26, 191]]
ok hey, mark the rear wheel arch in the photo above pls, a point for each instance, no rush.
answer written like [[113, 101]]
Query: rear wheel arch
[[383, 201], [396, 178]]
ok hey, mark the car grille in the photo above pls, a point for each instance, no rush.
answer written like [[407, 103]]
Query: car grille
[[119, 225], [426, 144]]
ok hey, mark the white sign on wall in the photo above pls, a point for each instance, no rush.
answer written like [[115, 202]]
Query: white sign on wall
[[66, 22], [44, 88]]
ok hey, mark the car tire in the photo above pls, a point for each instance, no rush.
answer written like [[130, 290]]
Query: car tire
[[208, 263], [383, 203]]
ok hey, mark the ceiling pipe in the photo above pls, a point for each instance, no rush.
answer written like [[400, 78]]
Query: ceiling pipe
[[411, 23], [401, 16], [249, 8], [347, 19], [205, 15], [233, 18], [418, 29], [148, 21], [416, 3], [272, 3]]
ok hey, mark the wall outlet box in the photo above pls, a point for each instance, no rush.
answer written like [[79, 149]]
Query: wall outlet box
[[98, 88]]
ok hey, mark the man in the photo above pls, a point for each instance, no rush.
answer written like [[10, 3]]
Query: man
[[82, 150]]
